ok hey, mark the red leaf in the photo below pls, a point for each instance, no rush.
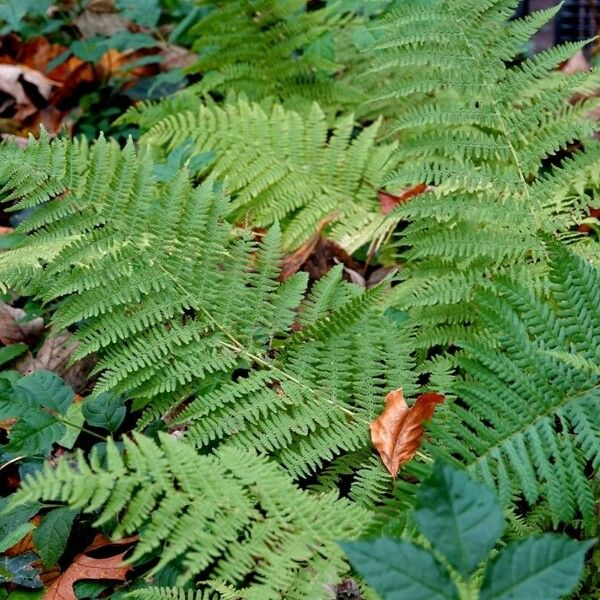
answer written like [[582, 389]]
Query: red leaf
[[397, 432]]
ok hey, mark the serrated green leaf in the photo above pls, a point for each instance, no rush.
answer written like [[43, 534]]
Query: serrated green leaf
[[400, 570], [544, 567], [104, 410], [460, 517], [51, 536]]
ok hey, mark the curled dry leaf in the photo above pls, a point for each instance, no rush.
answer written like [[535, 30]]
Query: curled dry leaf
[[397, 432], [88, 567], [14, 329], [388, 202]]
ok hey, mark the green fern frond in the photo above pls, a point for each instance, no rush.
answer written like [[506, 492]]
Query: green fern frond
[[527, 417], [483, 133], [183, 309], [272, 48], [294, 172], [233, 516]]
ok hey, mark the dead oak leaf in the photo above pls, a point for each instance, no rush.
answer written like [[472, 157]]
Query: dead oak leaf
[[14, 329], [397, 432], [87, 567]]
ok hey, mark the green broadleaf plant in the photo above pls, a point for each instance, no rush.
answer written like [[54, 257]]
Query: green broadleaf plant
[[462, 522]]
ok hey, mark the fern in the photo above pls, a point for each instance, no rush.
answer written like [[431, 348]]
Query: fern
[[526, 417], [294, 172], [482, 134], [234, 517], [272, 48], [195, 315]]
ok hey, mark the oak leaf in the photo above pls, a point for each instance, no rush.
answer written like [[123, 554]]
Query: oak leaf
[[397, 432], [88, 567]]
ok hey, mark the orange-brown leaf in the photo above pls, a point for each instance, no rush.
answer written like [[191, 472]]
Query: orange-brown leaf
[[88, 567], [388, 202], [397, 432]]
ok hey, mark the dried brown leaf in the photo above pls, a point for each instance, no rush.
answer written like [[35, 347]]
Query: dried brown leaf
[[397, 432], [54, 355], [292, 263], [14, 329], [88, 567]]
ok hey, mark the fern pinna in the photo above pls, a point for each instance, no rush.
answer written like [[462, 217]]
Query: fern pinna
[[195, 311], [485, 135], [526, 417], [234, 517], [295, 170]]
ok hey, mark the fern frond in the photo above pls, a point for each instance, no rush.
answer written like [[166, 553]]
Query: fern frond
[[233, 516], [527, 417], [294, 172], [185, 311], [483, 133], [272, 48]]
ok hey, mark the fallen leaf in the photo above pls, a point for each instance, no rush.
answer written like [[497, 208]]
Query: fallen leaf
[[88, 567], [6, 230], [397, 432], [54, 355], [291, 264], [388, 201], [175, 57], [28, 88], [14, 329]]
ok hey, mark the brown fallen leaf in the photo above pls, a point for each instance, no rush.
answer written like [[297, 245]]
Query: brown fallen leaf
[[54, 355], [14, 329], [291, 264], [27, 89], [397, 432], [388, 202], [88, 567]]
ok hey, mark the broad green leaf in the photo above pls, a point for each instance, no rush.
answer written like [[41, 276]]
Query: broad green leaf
[[400, 570], [14, 536], [74, 421], [11, 352], [51, 536], [35, 433], [26, 595], [16, 517], [105, 410], [45, 389], [544, 567], [142, 12], [460, 517]]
